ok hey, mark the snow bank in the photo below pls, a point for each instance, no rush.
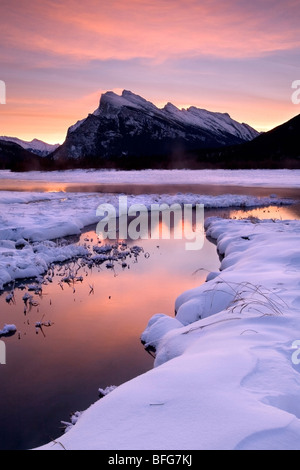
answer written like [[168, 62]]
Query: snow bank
[[263, 178], [8, 330], [34, 260], [224, 377]]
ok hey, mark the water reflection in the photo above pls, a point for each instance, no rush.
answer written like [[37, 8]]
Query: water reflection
[[143, 188], [271, 212]]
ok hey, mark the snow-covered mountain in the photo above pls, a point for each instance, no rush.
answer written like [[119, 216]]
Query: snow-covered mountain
[[35, 146], [129, 125]]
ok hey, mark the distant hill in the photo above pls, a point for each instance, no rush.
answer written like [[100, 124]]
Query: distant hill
[[16, 158], [34, 146]]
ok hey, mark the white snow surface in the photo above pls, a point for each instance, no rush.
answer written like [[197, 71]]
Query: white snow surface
[[32, 219], [8, 329], [34, 259], [263, 178], [223, 377]]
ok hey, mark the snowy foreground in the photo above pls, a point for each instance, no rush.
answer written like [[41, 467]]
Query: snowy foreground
[[31, 222], [227, 372]]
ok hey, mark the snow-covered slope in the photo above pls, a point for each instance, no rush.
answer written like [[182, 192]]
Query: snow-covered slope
[[35, 146], [219, 122], [130, 125]]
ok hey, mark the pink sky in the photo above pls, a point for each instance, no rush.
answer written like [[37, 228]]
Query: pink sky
[[57, 57]]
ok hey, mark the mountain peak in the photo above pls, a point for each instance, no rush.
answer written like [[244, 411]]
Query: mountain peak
[[171, 108], [110, 100], [128, 94], [128, 124]]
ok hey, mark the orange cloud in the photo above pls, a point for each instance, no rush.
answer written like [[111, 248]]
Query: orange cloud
[[137, 28]]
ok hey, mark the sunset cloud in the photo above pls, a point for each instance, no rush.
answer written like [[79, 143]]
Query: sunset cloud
[[57, 56], [137, 28]]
